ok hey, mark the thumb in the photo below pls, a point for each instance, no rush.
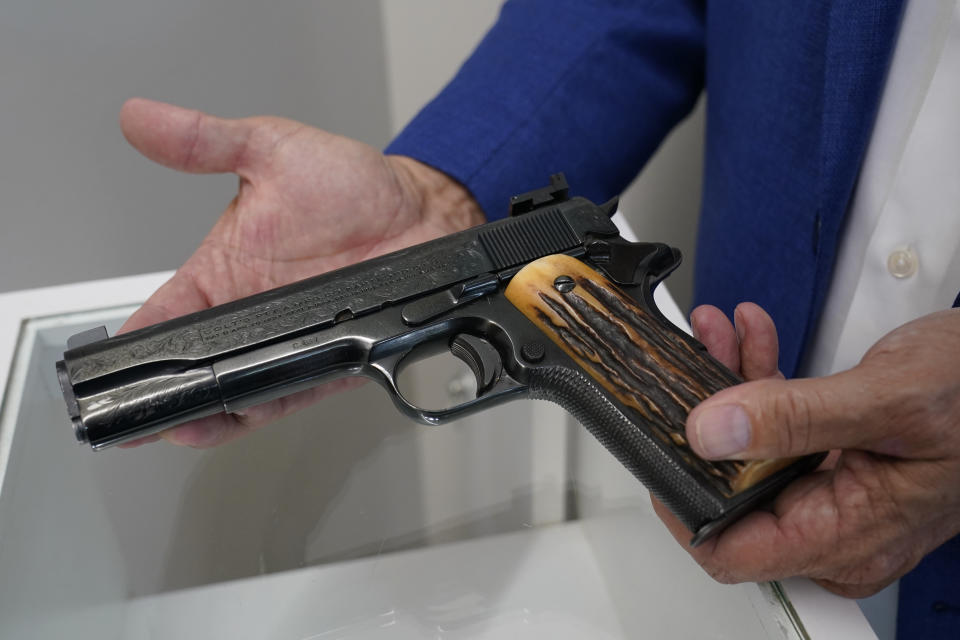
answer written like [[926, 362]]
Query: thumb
[[184, 139], [782, 418]]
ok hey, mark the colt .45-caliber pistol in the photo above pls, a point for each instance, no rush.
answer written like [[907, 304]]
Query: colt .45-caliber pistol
[[549, 303]]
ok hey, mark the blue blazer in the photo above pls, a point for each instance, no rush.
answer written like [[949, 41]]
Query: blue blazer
[[591, 88]]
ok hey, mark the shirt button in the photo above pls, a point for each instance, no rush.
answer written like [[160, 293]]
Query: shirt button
[[902, 263]]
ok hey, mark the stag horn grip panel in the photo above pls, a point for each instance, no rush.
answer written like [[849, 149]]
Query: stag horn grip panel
[[647, 365]]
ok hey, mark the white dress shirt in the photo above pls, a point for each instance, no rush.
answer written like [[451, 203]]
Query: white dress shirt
[[899, 257]]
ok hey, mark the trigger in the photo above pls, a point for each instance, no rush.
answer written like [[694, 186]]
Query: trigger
[[481, 357]]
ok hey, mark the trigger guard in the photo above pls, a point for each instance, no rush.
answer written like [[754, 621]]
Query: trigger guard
[[481, 357]]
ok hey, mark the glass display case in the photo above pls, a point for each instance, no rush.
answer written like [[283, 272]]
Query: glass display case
[[344, 521]]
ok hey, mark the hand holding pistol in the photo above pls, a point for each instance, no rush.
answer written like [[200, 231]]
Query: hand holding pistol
[[550, 303]]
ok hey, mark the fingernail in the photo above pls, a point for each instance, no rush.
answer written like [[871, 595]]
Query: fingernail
[[738, 324], [693, 327], [723, 431]]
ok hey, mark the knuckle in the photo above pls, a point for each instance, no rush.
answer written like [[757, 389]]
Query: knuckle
[[192, 146], [792, 414]]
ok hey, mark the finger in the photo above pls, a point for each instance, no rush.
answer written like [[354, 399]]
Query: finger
[[139, 441], [758, 342], [743, 551], [176, 297], [801, 536], [714, 330], [185, 139], [706, 555], [680, 532], [207, 432], [775, 418], [755, 548], [224, 427]]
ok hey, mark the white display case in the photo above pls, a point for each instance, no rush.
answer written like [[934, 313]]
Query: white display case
[[345, 521]]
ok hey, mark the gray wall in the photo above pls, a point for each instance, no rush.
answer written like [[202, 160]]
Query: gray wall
[[76, 202], [426, 41]]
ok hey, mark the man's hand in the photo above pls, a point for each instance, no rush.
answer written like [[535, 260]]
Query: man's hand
[[308, 202], [890, 491]]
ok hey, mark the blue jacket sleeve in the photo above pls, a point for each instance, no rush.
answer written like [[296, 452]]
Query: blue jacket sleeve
[[587, 87]]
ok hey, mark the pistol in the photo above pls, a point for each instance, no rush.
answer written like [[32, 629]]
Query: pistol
[[550, 303]]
